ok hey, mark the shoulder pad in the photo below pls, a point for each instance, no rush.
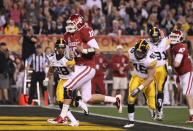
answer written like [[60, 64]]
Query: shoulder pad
[[131, 50]]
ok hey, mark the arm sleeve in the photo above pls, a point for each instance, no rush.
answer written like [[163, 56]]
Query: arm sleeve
[[93, 44], [178, 58]]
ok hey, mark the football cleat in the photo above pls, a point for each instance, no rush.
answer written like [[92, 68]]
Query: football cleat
[[160, 115], [190, 119], [76, 123], [84, 107], [129, 124], [86, 112], [58, 120], [118, 103], [153, 115]]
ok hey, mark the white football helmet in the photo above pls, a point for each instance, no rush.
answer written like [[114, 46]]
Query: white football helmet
[[74, 23], [176, 36]]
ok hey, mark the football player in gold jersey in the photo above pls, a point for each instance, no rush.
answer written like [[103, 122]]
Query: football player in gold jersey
[[144, 63]]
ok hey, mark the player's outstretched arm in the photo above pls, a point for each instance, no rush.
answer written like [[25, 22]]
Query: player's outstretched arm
[[50, 71]]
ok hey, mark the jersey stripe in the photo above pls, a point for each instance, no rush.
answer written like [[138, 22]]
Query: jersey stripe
[[190, 86], [153, 63], [70, 62], [81, 78], [189, 82], [77, 76]]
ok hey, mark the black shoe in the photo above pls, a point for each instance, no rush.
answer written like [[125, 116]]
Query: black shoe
[[86, 112]]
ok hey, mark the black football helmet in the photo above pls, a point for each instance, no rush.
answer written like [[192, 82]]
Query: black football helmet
[[155, 34], [141, 49], [60, 46]]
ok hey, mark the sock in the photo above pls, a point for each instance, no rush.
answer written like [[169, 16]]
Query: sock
[[160, 95], [131, 112], [152, 112], [191, 111], [83, 105], [64, 110], [71, 117], [110, 99], [131, 116]]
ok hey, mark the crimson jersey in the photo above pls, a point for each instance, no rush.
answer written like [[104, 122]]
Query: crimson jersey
[[101, 63], [84, 35], [185, 65], [118, 61]]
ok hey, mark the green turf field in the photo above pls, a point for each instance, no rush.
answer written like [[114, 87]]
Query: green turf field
[[172, 116]]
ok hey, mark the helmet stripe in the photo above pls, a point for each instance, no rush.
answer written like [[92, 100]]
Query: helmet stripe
[[154, 30], [60, 40], [140, 44], [147, 46]]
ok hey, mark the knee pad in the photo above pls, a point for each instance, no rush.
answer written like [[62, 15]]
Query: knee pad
[[68, 94], [75, 103]]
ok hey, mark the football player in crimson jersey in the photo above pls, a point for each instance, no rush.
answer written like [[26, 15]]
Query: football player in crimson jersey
[[81, 41], [64, 65], [182, 64]]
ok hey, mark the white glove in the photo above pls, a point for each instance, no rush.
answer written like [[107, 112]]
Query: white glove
[[135, 92], [45, 82], [169, 70]]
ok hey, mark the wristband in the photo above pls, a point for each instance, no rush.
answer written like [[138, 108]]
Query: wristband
[[141, 87], [85, 51]]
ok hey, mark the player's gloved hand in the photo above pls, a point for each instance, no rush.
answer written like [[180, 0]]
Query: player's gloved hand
[[45, 82], [170, 71], [135, 92]]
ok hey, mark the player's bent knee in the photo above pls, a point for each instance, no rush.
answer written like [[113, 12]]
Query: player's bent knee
[[87, 99], [68, 94], [131, 100]]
